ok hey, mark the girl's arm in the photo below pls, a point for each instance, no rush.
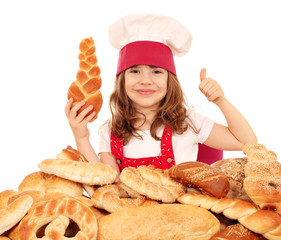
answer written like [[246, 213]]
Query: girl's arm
[[238, 131], [108, 158], [78, 124]]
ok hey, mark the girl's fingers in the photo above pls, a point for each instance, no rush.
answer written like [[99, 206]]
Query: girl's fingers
[[203, 74], [89, 118], [68, 106], [75, 108], [83, 114]]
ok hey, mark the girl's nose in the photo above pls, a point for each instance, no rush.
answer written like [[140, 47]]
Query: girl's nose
[[145, 79]]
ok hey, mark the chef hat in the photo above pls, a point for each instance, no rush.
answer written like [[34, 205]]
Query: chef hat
[[149, 39]]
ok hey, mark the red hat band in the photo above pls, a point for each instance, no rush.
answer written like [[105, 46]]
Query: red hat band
[[147, 53]]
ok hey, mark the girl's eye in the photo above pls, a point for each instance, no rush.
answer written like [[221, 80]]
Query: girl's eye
[[134, 71], [157, 71]]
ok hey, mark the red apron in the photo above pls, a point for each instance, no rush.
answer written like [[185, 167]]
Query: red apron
[[164, 161]]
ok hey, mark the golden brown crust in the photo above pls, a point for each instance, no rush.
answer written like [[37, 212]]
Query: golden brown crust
[[235, 232], [162, 222], [11, 212], [88, 80], [60, 211], [92, 173], [265, 222], [152, 183], [202, 176], [113, 198], [263, 177]]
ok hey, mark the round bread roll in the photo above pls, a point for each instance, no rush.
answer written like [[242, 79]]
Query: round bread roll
[[88, 80], [234, 170]]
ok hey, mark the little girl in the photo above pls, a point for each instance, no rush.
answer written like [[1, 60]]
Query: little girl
[[150, 122]]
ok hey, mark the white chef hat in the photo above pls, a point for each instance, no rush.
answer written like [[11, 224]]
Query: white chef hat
[[149, 39]]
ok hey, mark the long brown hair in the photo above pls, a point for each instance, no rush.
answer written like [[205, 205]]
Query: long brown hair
[[172, 111]]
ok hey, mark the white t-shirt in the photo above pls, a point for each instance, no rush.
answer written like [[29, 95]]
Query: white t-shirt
[[185, 146]]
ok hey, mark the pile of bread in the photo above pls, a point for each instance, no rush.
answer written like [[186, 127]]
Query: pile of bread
[[73, 198]]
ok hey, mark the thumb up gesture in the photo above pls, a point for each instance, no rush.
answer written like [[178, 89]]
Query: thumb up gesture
[[210, 88]]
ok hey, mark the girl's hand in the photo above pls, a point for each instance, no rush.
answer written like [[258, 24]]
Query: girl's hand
[[210, 88], [78, 122]]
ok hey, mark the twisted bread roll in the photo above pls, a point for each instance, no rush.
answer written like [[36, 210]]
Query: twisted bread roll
[[203, 176], [88, 80], [61, 210], [161, 222], [91, 173], [12, 212], [265, 222], [113, 198], [263, 177], [152, 182]]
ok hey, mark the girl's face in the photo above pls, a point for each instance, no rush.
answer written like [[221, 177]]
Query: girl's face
[[146, 86]]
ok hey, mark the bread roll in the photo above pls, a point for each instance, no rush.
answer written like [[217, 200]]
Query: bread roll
[[235, 232], [88, 80], [13, 212], [161, 222], [202, 176], [234, 170], [92, 173]]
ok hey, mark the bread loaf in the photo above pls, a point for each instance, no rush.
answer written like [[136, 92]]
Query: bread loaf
[[88, 80], [265, 222], [235, 232], [92, 173], [202, 176], [161, 222]]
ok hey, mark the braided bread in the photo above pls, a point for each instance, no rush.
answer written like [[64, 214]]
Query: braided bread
[[263, 177], [11, 212], [57, 214], [113, 198], [265, 222], [152, 182], [88, 80]]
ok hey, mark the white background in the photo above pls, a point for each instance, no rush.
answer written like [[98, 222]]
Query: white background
[[237, 41]]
